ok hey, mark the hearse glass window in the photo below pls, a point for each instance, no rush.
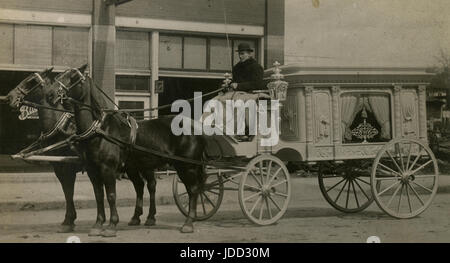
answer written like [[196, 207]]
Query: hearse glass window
[[365, 117]]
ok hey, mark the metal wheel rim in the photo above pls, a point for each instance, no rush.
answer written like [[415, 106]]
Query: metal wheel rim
[[206, 206], [276, 187], [403, 180]]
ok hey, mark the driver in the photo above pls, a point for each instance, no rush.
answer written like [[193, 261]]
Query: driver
[[247, 73]]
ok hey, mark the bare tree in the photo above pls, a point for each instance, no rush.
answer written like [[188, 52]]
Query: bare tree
[[442, 71]]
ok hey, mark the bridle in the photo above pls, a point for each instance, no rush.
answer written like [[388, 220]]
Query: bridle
[[26, 91], [61, 93]]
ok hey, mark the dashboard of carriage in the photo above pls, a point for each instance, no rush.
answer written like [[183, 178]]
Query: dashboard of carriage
[[325, 107]]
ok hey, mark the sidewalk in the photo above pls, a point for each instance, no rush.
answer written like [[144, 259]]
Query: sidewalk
[[42, 191]]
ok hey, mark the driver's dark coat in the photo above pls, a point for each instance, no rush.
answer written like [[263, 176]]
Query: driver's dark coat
[[248, 75]]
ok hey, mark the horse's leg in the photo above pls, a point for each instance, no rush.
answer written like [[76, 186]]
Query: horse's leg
[[97, 184], [133, 175], [109, 177], [151, 187], [66, 177], [194, 179]]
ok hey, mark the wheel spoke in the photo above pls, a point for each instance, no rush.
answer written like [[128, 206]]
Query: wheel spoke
[[209, 200], [203, 203], [359, 179], [280, 194], [388, 168], [400, 198], [329, 189], [385, 190], [216, 193], [422, 166], [255, 204], [274, 175], [425, 176], [362, 190], [416, 194], [416, 159], [399, 151], [252, 187], [275, 203], [409, 199], [261, 171], [409, 156], [395, 193], [429, 190], [386, 178], [268, 171], [256, 179], [268, 208], [261, 209], [251, 196], [356, 196], [348, 193], [340, 192], [277, 184], [395, 162]]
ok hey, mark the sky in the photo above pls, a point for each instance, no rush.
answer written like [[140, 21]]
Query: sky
[[366, 33]]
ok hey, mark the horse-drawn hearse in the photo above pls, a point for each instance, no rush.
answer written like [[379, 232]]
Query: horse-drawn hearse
[[366, 132]]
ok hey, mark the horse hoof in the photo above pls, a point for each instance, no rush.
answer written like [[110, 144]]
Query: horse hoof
[[108, 232], [134, 222], [95, 232], [150, 222], [187, 229], [66, 228]]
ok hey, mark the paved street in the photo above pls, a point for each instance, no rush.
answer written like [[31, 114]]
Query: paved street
[[308, 219]]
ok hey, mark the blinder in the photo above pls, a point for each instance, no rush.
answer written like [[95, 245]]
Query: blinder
[[63, 89], [24, 86]]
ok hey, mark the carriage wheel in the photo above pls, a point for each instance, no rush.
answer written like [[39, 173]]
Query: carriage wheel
[[346, 187], [208, 201], [408, 173], [265, 190]]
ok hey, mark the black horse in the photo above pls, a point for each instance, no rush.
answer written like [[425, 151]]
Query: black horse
[[57, 126], [105, 155]]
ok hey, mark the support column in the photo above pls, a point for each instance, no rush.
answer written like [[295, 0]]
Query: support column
[[397, 111], [103, 44], [274, 32], [422, 112], [309, 113], [335, 92], [154, 73]]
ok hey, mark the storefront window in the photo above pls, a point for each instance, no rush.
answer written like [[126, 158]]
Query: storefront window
[[132, 50], [195, 53], [133, 105], [132, 83], [220, 54], [170, 51], [6, 43], [33, 45], [70, 46]]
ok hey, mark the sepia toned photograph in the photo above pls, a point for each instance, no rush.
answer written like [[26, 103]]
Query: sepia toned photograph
[[224, 121]]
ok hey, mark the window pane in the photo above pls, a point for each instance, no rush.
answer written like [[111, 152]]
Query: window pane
[[70, 46], [220, 55], [194, 53], [132, 83], [170, 51], [133, 105], [132, 50], [236, 43], [6, 43], [33, 45]]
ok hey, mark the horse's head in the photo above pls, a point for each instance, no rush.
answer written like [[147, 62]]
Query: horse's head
[[67, 84], [29, 88]]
